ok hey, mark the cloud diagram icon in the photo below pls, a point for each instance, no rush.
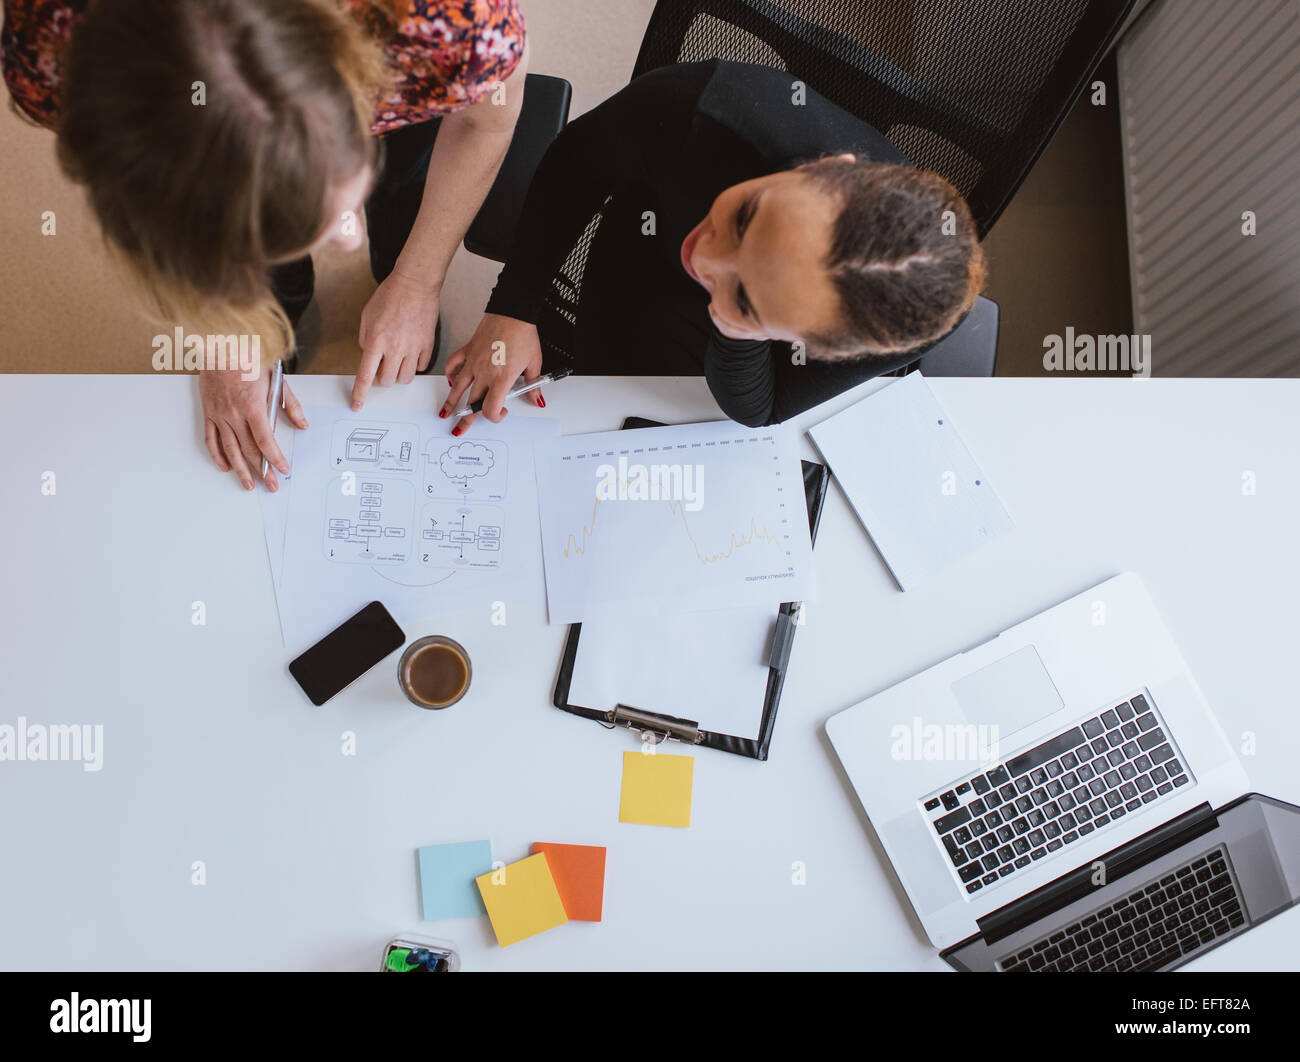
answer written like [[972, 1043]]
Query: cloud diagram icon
[[467, 460]]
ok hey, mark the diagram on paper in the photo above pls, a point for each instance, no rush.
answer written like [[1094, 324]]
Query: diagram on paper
[[368, 521], [460, 536], [369, 448], [465, 471], [357, 521]]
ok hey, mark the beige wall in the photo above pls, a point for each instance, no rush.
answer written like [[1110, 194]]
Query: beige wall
[[63, 310]]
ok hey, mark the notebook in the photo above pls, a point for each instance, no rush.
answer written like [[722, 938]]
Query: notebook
[[909, 476]]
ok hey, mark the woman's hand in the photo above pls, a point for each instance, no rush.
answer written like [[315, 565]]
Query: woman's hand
[[488, 366], [398, 327], [236, 427]]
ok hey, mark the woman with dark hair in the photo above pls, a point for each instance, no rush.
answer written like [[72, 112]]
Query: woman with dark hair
[[223, 141], [822, 260]]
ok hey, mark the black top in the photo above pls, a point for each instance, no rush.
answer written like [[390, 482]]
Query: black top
[[656, 155]]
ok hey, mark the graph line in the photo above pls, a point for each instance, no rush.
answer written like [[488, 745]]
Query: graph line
[[573, 545]]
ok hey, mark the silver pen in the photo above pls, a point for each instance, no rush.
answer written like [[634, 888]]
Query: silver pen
[[541, 381], [273, 406]]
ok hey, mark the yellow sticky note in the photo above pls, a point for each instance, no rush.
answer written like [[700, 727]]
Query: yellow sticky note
[[656, 789], [523, 900]]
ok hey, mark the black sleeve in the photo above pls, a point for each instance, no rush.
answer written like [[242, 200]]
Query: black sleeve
[[739, 374], [756, 384], [634, 132]]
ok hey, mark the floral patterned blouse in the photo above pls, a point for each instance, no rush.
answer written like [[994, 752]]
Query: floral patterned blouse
[[445, 54]]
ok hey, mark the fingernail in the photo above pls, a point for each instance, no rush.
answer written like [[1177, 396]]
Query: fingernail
[[541, 401], [274, 487], [356, 406], [457, 431], [442, 413]]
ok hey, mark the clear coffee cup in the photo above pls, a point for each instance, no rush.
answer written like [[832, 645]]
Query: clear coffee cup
[[434, 672]]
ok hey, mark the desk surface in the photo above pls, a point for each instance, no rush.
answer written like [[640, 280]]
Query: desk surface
[[211, 753]]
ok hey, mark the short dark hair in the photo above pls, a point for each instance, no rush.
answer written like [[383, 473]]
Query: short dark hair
[[904, 277]]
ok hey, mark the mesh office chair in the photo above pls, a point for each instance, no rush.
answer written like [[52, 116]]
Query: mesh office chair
[[972, 89]]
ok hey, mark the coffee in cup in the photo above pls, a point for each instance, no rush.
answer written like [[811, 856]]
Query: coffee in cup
[[434, 672]]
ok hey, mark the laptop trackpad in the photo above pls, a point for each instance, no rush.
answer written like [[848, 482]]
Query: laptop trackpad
[[1010, 693]]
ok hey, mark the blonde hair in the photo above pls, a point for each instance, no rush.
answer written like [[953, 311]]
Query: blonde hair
[[209, 135]]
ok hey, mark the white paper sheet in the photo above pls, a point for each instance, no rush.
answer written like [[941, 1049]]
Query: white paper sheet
[[923, 499], [707, 666], [275, 514], [396, 509], [674, 519]]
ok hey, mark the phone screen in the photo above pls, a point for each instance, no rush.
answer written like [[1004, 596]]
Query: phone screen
[[347, 653]]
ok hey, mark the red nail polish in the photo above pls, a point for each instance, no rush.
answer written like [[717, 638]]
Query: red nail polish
[[456, 431], [442, 413], [541, 401]]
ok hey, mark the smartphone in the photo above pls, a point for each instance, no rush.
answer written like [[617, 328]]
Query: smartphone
[[347, 653]]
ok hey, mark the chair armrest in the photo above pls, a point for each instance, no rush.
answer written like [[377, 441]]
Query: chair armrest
[[971, 349]]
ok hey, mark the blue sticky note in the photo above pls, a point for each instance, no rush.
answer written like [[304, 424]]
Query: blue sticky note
[[447, 873]]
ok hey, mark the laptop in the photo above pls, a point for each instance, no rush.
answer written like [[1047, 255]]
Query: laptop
[[1062, 798]]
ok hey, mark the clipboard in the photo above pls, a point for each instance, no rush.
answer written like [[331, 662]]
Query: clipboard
[[655, 727]]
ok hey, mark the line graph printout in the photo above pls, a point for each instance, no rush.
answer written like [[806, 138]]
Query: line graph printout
[[682, 518]]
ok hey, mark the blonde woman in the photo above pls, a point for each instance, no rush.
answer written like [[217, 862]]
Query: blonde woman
[[222, 142]]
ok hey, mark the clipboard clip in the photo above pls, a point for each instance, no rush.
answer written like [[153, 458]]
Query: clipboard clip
[[656, 728]]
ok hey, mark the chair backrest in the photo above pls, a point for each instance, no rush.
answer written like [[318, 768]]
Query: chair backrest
[[972, 89]]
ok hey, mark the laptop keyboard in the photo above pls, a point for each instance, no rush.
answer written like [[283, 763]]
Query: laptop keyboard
[[996, 823], [1149, 928]]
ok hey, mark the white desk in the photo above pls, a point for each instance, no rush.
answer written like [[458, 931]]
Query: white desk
[[212, 754]]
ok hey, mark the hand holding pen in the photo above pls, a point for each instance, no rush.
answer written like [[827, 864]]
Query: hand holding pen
[[523, 389], [485, 372], [237, 423]]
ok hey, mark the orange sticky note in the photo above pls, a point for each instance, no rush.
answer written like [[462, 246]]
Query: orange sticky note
[[521, 899], [579, 873]]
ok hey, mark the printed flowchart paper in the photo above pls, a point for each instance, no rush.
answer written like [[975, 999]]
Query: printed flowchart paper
[[396, 509]]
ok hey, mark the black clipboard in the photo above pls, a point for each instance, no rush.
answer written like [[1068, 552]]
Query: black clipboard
[[655, 726]]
